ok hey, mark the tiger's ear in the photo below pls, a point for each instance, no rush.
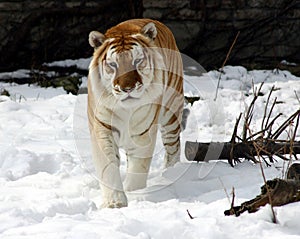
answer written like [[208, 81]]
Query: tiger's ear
[[149, 30], [96, 39]]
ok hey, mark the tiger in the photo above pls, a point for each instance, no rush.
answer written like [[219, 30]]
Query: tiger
[[135, 88]]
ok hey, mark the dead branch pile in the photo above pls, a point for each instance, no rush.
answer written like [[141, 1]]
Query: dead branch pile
[[265, 143]]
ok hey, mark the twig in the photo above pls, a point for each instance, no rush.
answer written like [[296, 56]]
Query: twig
[[234, 134], [266, 108], [191, 217], [233, 137], [270, 158], [282, 157], [279, 131], [292, 139], [252, 158], [224, 189], [264, 130], [272, 107], [271, 124], [233, 197], [292, 136], [271, 110], [297, 96], [296, 127], [249, 112], [227, 56]]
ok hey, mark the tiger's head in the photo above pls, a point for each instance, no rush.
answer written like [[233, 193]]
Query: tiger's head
[[126, 60]]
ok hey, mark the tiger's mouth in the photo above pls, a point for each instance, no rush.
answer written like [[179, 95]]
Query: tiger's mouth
[[128, 98], [128, 93]]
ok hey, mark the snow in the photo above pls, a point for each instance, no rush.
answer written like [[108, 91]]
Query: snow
[[48, 188], [22, 73], [82, 63]]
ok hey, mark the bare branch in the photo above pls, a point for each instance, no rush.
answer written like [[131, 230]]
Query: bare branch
[[270, 113], [279, 131], [190, 216], [266, 108], [297, 96], [227, 56], [249, 112]]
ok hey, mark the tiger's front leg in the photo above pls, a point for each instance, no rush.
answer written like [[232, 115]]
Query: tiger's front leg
[[107, 161], [139, 157], [137, 173]]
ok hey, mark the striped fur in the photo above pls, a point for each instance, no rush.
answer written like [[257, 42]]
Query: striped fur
[[135, 83]]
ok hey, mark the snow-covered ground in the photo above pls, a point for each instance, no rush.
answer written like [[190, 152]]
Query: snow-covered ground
[[48, 188]]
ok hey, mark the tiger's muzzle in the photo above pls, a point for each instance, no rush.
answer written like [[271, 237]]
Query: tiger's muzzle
[[128, 85]]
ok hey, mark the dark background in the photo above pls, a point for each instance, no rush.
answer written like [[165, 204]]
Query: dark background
[[34, 32]]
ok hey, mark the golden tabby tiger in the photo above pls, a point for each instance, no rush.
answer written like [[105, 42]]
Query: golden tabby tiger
[[135, 83]]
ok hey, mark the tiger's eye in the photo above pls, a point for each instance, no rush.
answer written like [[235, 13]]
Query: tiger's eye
[[137, 61], [112, 64]]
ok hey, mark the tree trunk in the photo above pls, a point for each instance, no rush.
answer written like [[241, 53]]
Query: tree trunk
[[195, 151]]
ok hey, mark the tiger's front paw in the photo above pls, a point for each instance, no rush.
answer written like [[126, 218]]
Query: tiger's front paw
[[116, 199]]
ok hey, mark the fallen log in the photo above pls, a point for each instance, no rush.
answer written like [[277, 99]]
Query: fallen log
[[195, 151], [281, 192]]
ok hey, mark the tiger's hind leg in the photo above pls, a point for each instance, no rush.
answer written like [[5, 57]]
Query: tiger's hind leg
[[170, 131], [172, 150], [171, 127], [171, 120]]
